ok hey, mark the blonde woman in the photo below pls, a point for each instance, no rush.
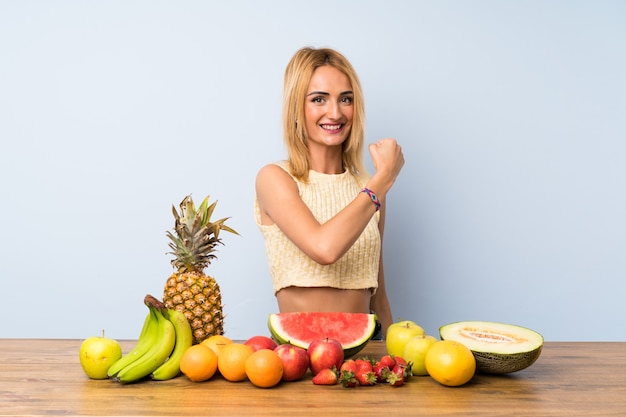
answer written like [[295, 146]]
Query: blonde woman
[[321, 215]]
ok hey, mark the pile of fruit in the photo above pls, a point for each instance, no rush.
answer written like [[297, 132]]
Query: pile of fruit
[[448, 362], [164, 350], [265, 363], [190, 312], [255, 360], [365, 371], [184, 334], [164, 338]]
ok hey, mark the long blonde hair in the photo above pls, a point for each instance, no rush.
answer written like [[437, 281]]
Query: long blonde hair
[[297, 76]]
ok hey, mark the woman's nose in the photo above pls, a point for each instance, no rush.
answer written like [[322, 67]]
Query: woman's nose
[[334, 110]]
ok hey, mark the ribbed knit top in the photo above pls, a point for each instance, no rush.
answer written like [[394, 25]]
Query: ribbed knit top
[[325, 195]]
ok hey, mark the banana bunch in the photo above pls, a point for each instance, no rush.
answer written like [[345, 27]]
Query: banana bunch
[[164, 337]]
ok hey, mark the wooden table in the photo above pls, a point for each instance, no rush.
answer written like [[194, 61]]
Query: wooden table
[[44, 377]]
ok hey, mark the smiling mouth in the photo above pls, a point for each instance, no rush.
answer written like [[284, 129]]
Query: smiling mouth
[[332, 127]]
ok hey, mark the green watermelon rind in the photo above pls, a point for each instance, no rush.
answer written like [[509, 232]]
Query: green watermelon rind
[[335, 330]]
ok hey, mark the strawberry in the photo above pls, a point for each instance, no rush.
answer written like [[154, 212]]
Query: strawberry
[[394, 379], [326, 377], [387, 361], [348, 365], [363, 364], [366, 378], [364, 372], [347, 379], [396, 376], [346, 373], [380, 369], [406, 365], [399, 361]]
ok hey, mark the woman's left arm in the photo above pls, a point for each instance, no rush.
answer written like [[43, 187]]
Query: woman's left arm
[[379, 302]]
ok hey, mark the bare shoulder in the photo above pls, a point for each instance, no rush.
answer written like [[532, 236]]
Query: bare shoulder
[[272, 175], [270, 170], [277, 194]]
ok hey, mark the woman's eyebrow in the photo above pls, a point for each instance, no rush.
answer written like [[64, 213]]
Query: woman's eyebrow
[[316, 93], [323, 93]]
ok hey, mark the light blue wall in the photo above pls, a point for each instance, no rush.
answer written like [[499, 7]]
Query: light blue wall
[[511, 115]]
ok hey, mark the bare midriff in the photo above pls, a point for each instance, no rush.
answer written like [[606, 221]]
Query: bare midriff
[[297, 299]]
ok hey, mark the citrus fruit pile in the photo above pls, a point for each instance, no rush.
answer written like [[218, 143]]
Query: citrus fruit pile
[[234, 361]]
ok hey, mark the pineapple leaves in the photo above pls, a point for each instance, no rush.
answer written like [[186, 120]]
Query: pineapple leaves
[[228, 229], [195, 235]]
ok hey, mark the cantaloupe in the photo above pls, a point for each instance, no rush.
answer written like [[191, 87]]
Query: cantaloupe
[[352, 330], [498, 348]]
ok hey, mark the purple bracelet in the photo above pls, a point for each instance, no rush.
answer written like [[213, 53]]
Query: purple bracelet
[[371, 194]]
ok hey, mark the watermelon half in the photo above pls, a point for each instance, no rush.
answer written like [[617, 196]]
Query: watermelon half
[[352, 330]]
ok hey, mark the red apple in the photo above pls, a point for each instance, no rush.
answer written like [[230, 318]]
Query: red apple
[[324, 354], [260, 342], [295, 361]]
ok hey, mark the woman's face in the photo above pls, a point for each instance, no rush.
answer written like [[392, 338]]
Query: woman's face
[[328, 107]]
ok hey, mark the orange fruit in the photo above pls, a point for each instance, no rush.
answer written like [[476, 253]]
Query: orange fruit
[[450, 363], [264, 368], [231, 361], [216, 342], [198, 363]]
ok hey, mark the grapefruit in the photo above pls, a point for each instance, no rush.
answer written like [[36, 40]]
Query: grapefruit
[[450, 363]]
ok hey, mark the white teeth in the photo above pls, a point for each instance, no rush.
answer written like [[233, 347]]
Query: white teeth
[[331, 127]]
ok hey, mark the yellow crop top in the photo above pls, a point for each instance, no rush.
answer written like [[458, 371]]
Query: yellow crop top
[[325, 195]]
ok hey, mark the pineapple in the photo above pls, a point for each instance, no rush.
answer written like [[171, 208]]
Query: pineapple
[[189, 289]]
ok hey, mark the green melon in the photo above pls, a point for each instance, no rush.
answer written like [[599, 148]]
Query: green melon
[[352, 330], [498, 348]]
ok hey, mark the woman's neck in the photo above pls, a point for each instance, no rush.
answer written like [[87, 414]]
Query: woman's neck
[[327, 161]]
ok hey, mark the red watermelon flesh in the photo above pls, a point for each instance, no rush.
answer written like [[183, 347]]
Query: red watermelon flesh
[[352, 330]]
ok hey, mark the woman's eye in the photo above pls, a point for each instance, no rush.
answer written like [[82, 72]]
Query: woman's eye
[[347, 100], [317, 99]]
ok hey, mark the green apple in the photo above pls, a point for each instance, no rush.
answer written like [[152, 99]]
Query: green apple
[[399, 333], [415, 351], [97, 354]]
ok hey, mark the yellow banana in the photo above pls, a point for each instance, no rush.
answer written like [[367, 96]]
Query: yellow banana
[[184, 339], [155, 356], [144, 342]]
